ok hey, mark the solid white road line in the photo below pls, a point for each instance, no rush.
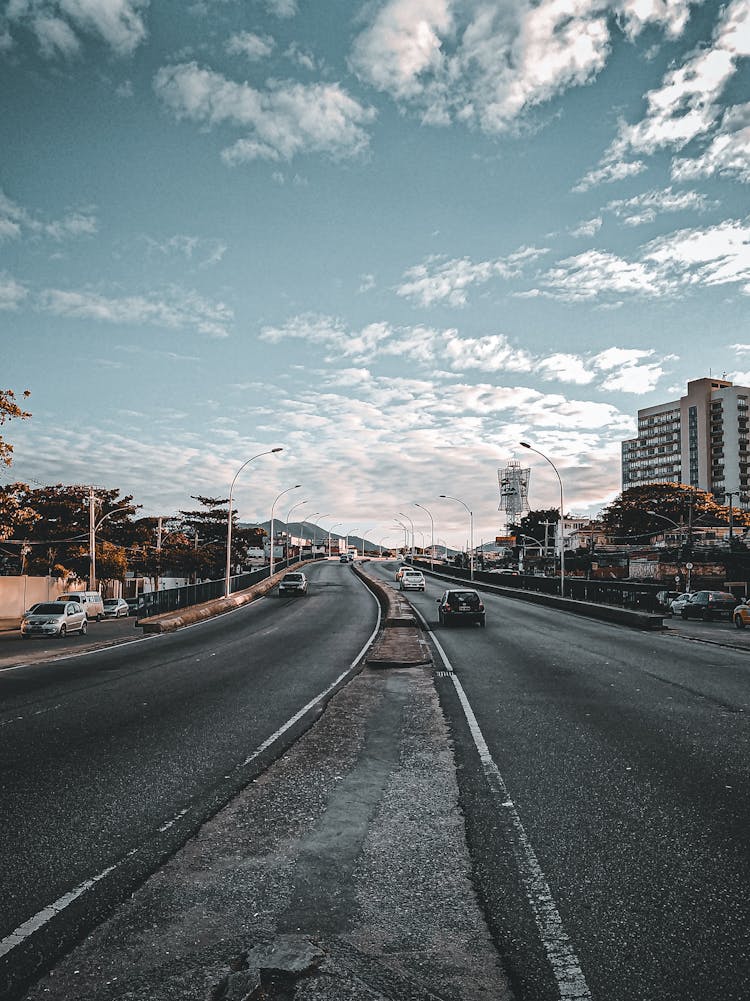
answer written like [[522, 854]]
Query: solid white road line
[[565, 966]]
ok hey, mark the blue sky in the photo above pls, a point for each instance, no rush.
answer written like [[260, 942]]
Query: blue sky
[[394, 238]]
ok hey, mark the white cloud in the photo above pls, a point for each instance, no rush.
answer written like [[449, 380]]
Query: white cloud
[[12, 293], [447, 281], [179, 309], [58, 24], [487, 64], [15, 221], [285, 120], [445, 352], [645, 207], [686, 106], [204, 252], [608, 173], [671, 264], [589, 227], [281, 8], [250, 45], [727, 154]]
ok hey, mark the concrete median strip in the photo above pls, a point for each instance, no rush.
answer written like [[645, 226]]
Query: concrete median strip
[[400, 643]]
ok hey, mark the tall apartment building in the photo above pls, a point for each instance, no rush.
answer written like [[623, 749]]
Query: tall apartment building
[[700, 440]]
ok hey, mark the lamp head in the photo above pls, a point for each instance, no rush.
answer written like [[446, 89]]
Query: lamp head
[[277, 450], [525, 444], [443, 495]]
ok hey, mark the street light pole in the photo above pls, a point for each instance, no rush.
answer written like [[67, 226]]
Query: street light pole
[[331, 528], [406, 535], [412, 531], [525, 444], [471, 532], [270, 563], [229, 515], [288, 515], [432, 529], [92, 541]]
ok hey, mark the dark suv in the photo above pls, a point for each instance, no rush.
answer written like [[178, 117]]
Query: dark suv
[[709, 605], [461, 605]]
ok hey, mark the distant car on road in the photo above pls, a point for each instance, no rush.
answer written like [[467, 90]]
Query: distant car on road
[[54, 618], [401, 571], [460, 605], [115, 607], [708, 605], [412, 580], [343, 558], [293, 583]]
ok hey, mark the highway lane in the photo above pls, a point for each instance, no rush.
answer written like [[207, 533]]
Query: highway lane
[[97, 752], [626, 756]]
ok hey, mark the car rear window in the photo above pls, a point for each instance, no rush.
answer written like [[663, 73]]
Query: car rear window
[[463, 598], [293, 576]]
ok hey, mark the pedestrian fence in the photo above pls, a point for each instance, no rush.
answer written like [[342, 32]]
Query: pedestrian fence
[[172, 599]]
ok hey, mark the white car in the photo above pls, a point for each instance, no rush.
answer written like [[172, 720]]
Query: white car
[[115, 607], [293, 583], [54, 618], [677, 604], [412, 580]]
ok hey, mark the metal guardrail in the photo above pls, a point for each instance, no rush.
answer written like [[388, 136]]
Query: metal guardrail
[[620, 593], [173, 598]]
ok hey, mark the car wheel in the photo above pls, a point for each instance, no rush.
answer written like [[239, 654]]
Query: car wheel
[[25, 636], [84, 628], [683, 615], [705, 615], [62, 632], [482, 623], [739, 622]]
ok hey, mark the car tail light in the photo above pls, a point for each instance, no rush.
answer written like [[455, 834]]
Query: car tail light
[[481, 607]]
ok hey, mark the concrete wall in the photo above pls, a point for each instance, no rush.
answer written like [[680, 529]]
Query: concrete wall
[[17, 593]]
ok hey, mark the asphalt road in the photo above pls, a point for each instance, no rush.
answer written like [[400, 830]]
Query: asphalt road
[[103, 752], [624, 756]]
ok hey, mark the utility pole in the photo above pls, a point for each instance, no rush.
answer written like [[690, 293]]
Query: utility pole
[[158, 552], [730, 495], [92, 539]]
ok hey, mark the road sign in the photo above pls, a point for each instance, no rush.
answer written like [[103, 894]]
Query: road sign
[[677, 578], [689, 566]]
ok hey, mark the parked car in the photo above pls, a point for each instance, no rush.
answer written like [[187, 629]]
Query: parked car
[[293, 583], [54, 618], [132, 604], [677, 603], [741, 615], [115, 607], [412, 580], [460, 605], [91, 601], [707, 605]]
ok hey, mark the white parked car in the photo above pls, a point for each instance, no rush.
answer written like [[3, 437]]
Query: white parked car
[[54, 618], [677, 604], [115, 607], [412, 580]]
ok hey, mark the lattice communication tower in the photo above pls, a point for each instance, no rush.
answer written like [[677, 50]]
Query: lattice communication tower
[[514, 491]]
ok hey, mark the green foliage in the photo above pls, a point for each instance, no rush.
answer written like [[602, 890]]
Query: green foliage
[[532, 525]]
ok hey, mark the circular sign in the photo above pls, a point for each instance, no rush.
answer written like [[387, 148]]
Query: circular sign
[[677, 578], [689, 566]]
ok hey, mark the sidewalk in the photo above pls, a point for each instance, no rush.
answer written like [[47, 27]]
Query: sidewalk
[[341, 873]]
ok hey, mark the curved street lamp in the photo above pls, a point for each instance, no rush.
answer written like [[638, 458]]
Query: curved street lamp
[[525, 444], [471, 532], [406, 536], [432, 529], [229, 515], [270, 562], [92, 542], [412, 531], [288, 516]]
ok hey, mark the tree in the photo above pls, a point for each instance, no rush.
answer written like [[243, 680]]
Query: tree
[[628, 518], [9, 410], [533, 525]]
